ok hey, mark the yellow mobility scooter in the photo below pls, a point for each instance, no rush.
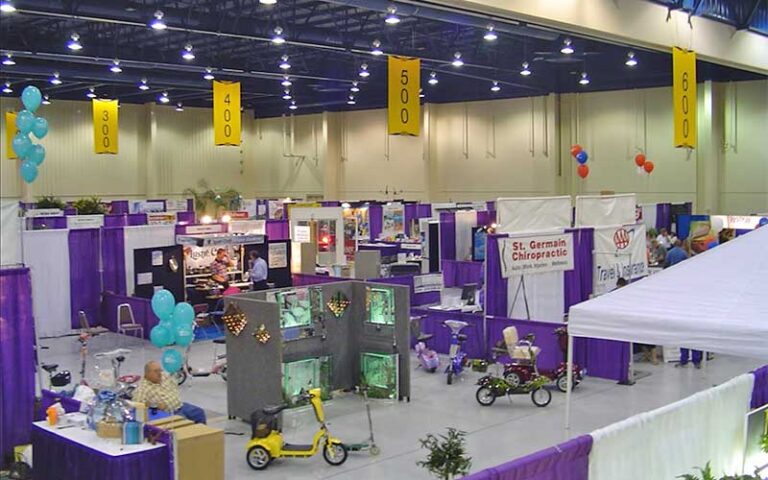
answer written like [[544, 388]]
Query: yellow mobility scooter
[[267, 440]]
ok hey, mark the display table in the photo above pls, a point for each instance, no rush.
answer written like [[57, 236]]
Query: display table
[[75, 452]]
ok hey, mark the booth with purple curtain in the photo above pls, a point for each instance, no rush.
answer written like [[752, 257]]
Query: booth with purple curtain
[[84, 274], [375, 219]]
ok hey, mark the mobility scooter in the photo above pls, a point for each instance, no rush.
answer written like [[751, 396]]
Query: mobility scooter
[[457, 356]]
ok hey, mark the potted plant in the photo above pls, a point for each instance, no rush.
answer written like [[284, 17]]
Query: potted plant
[[89, 206], [213, 202], [706, 474], [49, 201], [447, 456]]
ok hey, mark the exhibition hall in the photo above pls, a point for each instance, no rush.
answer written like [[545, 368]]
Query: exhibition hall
[[379, 239]]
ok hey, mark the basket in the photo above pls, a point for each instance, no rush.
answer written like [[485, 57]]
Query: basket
[[109, 429]]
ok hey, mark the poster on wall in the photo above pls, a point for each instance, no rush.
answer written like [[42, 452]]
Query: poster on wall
[[249, 205], [363, 225], [393, 220], [278, 255], [619, 253], [350, 233], [533, 254], [275, 209], [176, 205]]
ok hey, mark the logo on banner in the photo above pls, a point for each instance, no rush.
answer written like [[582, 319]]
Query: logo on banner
[[536, 254], [621, 239], [619, 252]]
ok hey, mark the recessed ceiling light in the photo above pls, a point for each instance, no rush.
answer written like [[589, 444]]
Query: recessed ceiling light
[[46, 100], [351, 100], [567, 48], [91, 93], [287, 94], [208, 75], [187, 53], [364, 73], [392, 18], [421, 93], [354, 88], [525, 71], [284, 63], [164, 98], [8, 60], [377, 48], [278, 39], [631, 60], [457, 61], [7, 88], [179, 107], [495, 87], [433, 79], [115, 68], [293, 106], [157, 23], [286, 81], [143, 85], [74, 42], [584, 80], [267, 2], [490, 35], [6, 6], [55, 80]]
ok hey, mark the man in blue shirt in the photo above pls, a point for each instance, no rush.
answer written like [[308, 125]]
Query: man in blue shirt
[[259, 271], [675, 255]]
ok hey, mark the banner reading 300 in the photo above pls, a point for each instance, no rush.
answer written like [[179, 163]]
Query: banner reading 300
[[226, 113], [403, 95], [105, 126], [684, 97]]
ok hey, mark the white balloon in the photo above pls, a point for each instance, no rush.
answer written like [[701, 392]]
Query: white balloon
[[717, 223], [641, 171]]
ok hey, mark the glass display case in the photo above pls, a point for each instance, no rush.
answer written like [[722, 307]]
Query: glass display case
[[380, 374], [301, 311], [306, 374], [380, 305]]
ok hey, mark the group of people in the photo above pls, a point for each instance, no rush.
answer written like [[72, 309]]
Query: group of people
[[666, 249], [258, 271]]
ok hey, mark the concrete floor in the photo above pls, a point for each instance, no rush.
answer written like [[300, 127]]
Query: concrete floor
[[495, 434]]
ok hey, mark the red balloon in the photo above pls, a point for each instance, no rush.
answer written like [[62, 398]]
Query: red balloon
[[639, 159], [648, 166], [583, 170], [575, 150]]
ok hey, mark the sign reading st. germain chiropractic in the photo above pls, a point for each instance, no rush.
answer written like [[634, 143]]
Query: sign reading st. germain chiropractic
[[532, 254]]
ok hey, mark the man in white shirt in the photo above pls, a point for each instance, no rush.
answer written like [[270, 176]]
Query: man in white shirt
[[664, 239], [259, 271]]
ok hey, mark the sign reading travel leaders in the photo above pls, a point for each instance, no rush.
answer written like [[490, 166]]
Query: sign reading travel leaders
[[10, 132], [684, 97], [105, 126], [619, 252], [226, 113], [534, 254], [403, 115]]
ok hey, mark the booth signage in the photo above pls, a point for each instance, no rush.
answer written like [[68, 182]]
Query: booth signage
[[161, 218], [248, 226], [278, 255], [239, 215], [105, 126], [10, 132], [203, 229], [44, 212], [176, 205], [428, 283], [536, 254], [85, 221], [226, 113], [619, 253], [403, 95], [302, 234], [393, 220], [218, 240], [684, 97], [250, 206], [739, 222], [147, 206]]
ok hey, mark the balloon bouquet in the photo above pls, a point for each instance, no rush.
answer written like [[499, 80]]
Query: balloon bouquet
[[643, 164], [175, 327], [31, 155], [581, 156]]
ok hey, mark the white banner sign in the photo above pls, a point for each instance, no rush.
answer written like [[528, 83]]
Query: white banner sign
[[176, 205], [257, 227], [138, 206], [44, 212], [536, 254], [85, 221], [600, 210], [202, 257], [302, 234], [161, 218], [516, 215], [619, 253], [428, 283], [738, 222], [278, 255]]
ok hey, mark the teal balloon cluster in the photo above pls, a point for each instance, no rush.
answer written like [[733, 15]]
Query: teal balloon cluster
[[32, 155], [175, 327]]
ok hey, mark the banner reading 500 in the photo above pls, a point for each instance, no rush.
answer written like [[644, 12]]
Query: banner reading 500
[[403, 95], [226, 113], [105, 126]]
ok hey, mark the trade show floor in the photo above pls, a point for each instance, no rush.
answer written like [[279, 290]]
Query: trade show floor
[[494, 434]]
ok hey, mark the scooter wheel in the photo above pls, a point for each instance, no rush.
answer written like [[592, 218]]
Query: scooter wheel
[[223, 373], [375, 450], [180, 376], [449, 378], [485, 396], [432, 370], [513, 379], [258, 457], [541, 397], [562, 383], [335, 454]]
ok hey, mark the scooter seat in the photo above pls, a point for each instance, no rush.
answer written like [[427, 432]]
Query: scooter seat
[[273, 409], [424, 337], [220, 341], [50, 367]]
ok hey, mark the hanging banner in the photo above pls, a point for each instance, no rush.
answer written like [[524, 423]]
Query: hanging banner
[[10, 132], [684, 97], [603, 210], [532, 254], [403, 95], [393, 220], [619, 253], [532, 214], [105, 126], [226, 113]]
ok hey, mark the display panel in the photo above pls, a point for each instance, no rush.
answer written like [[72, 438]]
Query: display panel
[[380, 374], [305, 375], [301, 311], [380, 306]]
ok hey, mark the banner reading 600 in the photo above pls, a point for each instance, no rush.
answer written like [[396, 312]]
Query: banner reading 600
[[684, 97], [403, 96], [105, 126], [226, 113]]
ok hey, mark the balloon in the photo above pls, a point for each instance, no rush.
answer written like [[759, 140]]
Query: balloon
[[167, 323], [583, 171], [24, 121], [31, 98], [163, 303], [28, 171], [184, 336], [648, 166], [582, 157], [40, 127], [183, 315], [762, 222], [575, 150], [639, 159], [640, 171], [160, 336], [21, 145], [716, 223], [36, 155], [172, 360]]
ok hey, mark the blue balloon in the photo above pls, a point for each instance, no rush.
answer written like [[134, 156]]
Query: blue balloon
[[184, 336], [40, 127], [24, 121], [172, 360], [160, 336], [183, 315], [21, 145], [36, 155], [762, 222], [31, 98], [167, 323], [162, 304], [28, 171], [582, 157]]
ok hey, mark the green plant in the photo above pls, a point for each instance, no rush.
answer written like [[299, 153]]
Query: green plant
[[706, 474], [447, 457], [211, 201], [49, 201], [89, 206], [764, 442]]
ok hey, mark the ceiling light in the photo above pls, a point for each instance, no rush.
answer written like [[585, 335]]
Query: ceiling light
[[567, 47], [267, 2], [206, 219], [495, 87], [143, 85], [46, 100], [391, 18], [8, 60], [490, 35], [525, 71], [457, 61], [364, 71], [351, 100], [208, 75], [74, 42], [293, 106], [179, 107], [433, 79], [187, 53], [115, 68], [287, 95], [6, 6], [584, 80], [158, 23], [164, 98], [377, 48], [7, 88], [278, 38], [91, 93], [421, 93], [354, 88], [55, 80], [631, 60], [284, 64], [286, 81]]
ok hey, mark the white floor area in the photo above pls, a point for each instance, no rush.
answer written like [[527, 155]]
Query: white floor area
[[495, 434]]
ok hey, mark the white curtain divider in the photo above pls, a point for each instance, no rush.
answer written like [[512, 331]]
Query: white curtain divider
[[46, 253], [144, 236], [532, 214], [670, 441], [10, 232], [545, 293], [465, 220], [649, 215], [600, 210]]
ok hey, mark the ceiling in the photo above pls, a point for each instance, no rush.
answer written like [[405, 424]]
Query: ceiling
[[326, 44], [749, 15]]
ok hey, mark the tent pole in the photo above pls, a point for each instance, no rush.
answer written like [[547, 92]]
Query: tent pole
[[569, 377]]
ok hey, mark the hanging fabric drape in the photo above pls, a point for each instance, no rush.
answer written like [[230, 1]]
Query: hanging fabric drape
[[46, 253]]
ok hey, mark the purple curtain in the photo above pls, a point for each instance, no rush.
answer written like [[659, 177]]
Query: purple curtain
[[663, 216], [496, 289], [42, 223], [137, 219], [550, 356], [490, 205], [567, 461], [375, 220], [191, 205], [141, 307], [441, 341], [84, 275], [119, 207], [760, 389], [17, 359], [278, 230], [331, 203], [458, 274], [447, 236], [115, 220], [483, 219], [424, 210], [187, 216], [411, 213], [113, 260]]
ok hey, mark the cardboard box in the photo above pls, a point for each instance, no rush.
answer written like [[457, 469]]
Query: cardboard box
[[199, 449]]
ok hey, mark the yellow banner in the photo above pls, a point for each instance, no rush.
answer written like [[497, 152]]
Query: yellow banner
[[403, 112], [10, 132], [684, 97], [105, 126], [226, 113]]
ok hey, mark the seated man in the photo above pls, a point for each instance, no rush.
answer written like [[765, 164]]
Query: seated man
[[159, 390]]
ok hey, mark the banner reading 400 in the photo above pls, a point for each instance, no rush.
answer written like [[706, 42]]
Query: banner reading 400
[[403, 95], [105, 126], [226, 113]]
